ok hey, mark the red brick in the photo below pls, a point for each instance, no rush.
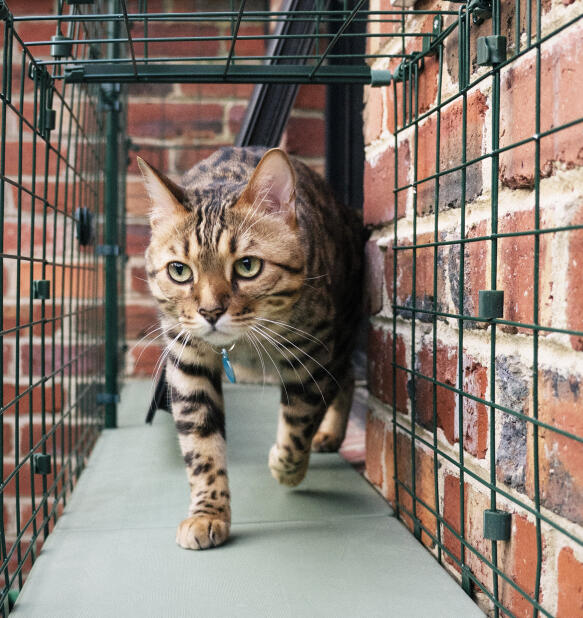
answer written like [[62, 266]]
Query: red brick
[[311, 97], [375, 436], [446, 372], [520, 563], [424, 289], [427, 79], [570, 585], [516, 269], [24, 479], [476, 501], [380, 368], [145, 359], [450, 154], [451, 515], [7, 437], [154, 155], [33, 403], [560, 457], [137, 238], [306, 136], [181, 48], [175, 120], [52, 316], [236, 115], [188, 157], [475, 414], [65, 280], [137, 200], [68, 358], [140, 319], [374, 277], [561, 74], [373, 114], [253, 46], [139, 280], [54, 440], [379, 185], [14, 164], [575, 281], [216, 91]]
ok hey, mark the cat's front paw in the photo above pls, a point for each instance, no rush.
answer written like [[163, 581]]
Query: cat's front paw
[[202, 532], [286, 467]]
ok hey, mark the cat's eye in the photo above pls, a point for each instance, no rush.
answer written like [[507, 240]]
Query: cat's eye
[[179, 272], [248, 267]]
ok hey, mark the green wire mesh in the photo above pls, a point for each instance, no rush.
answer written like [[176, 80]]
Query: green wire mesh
[[51, 165]]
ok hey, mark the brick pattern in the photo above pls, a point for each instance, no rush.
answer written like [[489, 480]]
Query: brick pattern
[[439, 388]]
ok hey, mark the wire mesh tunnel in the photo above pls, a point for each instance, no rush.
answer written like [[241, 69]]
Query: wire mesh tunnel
[[473, 194]]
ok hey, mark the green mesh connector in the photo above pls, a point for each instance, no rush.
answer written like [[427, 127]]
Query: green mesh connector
[[417, 530], [62, 46], [49, 120], [12, 596], [491, 304], [83, 225], [380, 77], [41, 289], [41, 464], [491, 50], [496, 525]]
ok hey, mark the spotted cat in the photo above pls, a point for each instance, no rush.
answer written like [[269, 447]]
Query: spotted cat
[[252, 257]]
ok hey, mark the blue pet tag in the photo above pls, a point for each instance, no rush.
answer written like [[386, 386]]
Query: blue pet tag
[[227, 366]]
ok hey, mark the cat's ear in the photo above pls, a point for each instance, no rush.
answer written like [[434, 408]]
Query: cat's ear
[[272, 187], [166, 196]]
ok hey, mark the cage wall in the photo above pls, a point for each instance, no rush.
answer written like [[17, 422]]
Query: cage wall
[[474, 188], [54, 154]]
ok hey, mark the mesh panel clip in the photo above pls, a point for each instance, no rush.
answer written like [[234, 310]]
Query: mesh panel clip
[[41, 289], [41, 463], [491, 50], [496, 525], [105, 398], [491, 304], [62, 46]]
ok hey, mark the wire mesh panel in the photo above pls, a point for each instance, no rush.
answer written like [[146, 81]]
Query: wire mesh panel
[[53, 159], [482, 331]]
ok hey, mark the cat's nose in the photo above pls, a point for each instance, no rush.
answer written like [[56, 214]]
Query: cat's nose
[[212, 315]]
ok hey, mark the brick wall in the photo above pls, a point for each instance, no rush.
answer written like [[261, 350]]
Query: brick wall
[[424, 343]]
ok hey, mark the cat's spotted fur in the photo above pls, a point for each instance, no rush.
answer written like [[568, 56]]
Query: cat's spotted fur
[[300, 312]]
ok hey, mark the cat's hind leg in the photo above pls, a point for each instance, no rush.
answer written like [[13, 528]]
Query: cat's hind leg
[[332, 429]]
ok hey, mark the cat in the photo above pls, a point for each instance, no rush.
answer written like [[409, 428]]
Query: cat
[[252, 255]]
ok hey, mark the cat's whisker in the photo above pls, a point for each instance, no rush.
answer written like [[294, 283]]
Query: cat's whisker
[[276, 367], [161, 328], [281, 349], [269, 338], [297, 330], [249, 337]]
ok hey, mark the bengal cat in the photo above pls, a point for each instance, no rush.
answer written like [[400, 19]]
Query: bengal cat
[[252, 255]]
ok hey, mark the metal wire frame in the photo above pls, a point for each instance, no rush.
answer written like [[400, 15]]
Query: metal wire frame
[[53, 153], [408, 316], [140, 63]]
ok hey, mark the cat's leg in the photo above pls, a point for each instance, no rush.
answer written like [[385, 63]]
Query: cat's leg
[[290, 455], [332, 430], [197, 408]]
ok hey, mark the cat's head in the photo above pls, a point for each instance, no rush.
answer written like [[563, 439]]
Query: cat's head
[[221, 269]]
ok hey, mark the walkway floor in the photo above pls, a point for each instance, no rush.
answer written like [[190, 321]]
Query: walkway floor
[[328, 548]]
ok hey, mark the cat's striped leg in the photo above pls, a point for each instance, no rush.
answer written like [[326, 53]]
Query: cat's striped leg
[[300, 415], [332, 430], [197, 407]]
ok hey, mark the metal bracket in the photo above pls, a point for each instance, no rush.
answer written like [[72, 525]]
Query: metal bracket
[[4, 11], [491, 304], [107, 250], [109, 97], [48, 119], [480, 10], [417, 529], [491, 50], [380, 77], [496, 525], [428, 41], [41, 289], [84, 225], [41, 463], [62, 46], [105, 398]]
